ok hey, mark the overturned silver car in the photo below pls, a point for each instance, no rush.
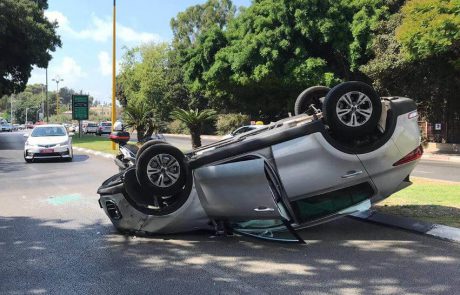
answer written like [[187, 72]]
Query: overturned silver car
[[344, 149]]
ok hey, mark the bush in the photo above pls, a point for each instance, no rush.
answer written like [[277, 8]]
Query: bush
[[177, 127], [226, 123]]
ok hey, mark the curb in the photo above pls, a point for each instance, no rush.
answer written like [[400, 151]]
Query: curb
[[438, 231], [95, 153], [443, 157]]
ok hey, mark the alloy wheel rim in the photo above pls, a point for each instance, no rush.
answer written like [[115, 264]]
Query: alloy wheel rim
[[163, 170], [354, 109]]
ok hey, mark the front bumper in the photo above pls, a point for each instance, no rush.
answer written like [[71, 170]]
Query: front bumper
[[42, 152], [118, 206]]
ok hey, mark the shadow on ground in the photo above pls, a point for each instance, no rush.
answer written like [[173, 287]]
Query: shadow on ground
[[61, 257]]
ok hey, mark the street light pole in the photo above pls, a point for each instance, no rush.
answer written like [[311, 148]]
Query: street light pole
[[11, 118], [46, 94], [114, 110], [57, 80]]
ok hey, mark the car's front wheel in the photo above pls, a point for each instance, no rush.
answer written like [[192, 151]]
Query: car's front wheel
[[352, 109], [162, 169]]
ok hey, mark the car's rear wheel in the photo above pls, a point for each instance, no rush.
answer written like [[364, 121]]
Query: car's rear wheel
[[162, 169], [314, 95], [352, 109], [146, 145]]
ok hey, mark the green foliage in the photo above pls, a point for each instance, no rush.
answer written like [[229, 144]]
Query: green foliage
[[430, 28], [194, 120], [433, 81], [274, 49], [177, 127], [26, 38], [140, 116], [226, 123]]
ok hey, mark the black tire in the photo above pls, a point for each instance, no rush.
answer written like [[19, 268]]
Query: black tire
[[356, 120], [166, 185], [147, 145], [314, 95]]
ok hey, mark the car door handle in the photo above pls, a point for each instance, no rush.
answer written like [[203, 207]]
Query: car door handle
[[264, 209], [352, 173]]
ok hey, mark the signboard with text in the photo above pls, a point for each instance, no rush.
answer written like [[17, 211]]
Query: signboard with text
[[80, 107]]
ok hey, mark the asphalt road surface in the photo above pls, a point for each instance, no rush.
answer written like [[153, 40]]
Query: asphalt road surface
[[442, 170], [54, 239]]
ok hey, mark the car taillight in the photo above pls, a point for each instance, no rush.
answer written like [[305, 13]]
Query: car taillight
[[412, 156]]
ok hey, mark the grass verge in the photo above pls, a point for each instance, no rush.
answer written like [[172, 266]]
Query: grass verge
[[93, 142], [427, 200]]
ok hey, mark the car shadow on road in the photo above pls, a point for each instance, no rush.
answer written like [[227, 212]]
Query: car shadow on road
[[8, 165], [76, 158], [58, 256]]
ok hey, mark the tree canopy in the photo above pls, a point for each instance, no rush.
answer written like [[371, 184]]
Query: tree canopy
[[26, 39]]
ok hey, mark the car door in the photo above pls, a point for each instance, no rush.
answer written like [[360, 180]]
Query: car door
[[318, 179], [238, 190]]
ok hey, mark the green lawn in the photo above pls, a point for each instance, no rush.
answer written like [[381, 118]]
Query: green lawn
[[93, 142], [429, 200]]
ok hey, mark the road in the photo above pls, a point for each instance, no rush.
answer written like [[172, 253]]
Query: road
[[54, 239]]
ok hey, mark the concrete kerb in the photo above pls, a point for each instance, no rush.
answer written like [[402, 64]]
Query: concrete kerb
[[434, 230], [93, 152], [441, 157]]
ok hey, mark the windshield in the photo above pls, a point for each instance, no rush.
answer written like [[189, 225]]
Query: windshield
[[92, 125], [48, 131]]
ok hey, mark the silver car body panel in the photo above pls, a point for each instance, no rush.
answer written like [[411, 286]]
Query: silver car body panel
[[323, 168], [236, 190], [190, 216], [379, 163]]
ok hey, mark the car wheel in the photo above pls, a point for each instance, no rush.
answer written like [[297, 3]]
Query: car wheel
[[161, 168], [314, 95], [352, 109], [28, 160], [147, 145]]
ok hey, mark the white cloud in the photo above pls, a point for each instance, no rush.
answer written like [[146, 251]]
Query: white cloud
[[100, 30], [105, 67], [70, 69]]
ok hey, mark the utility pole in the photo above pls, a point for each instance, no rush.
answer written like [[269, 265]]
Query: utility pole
[[11, 118], [114, 69], [46, 93], [57, 80]]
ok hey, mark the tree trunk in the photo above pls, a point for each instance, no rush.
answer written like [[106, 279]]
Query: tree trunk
[[140, 134], [196, 137]]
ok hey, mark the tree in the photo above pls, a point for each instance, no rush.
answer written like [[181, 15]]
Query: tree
[[410, 61], [142, 86], [194, 119], [139, 116], [274, 49], [26, 38]]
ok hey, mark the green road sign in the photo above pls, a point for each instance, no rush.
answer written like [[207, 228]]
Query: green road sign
[[80, 107]]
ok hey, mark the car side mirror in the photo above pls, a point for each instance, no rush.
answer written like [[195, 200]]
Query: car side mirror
[[26, 135]]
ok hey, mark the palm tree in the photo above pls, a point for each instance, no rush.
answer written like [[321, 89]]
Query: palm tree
[[139, 116], [194, 120]]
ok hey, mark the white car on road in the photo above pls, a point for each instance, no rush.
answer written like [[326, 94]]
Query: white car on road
[[48, 141]]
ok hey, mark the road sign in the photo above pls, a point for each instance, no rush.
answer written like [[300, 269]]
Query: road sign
[[437, 126], [80, 107]]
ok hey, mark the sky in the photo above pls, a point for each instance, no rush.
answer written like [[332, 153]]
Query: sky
[[85, 26]]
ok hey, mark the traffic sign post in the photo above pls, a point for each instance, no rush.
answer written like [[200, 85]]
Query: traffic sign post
[[80, 109]]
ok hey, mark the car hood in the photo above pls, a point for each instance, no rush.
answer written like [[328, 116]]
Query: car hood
[[47, 139]]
